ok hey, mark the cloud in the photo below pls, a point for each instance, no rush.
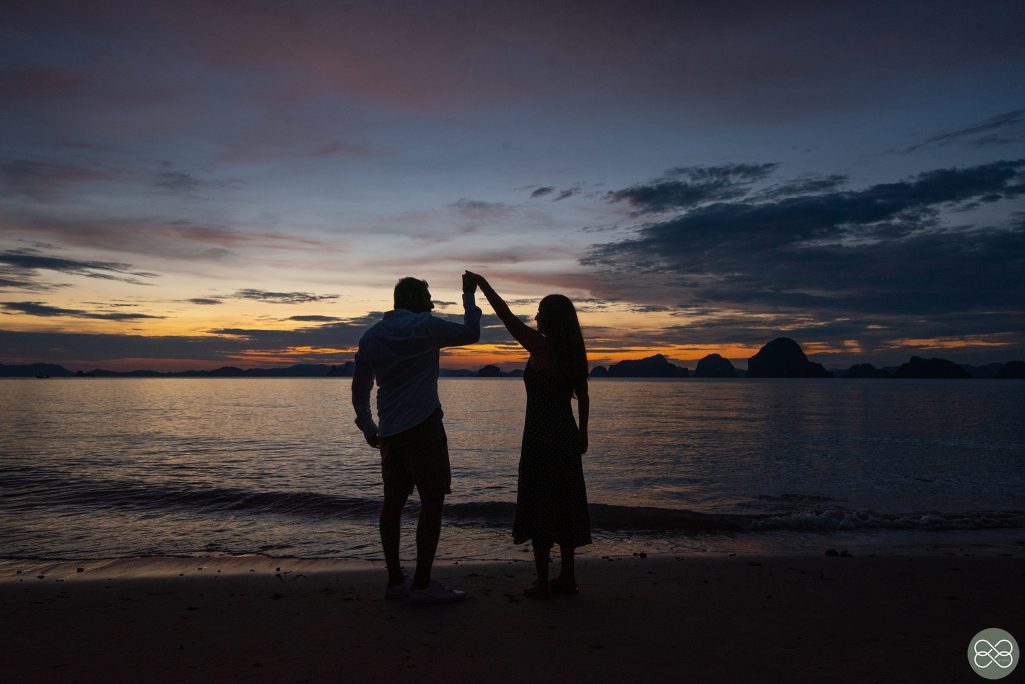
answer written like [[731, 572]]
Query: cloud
[[1012, 124], [684, 187], [40, 309], [12, 279], [41, 181], [807, 185], [314, 319], [153, 236], [206, 301], [541, 192], [58, 347], [833, 263], [177, 181], [479, 210], [777, 65], [283, 297], [335, 335], [29, 262]]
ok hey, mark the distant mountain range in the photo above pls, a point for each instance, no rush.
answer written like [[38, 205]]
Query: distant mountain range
[[49, 370], [784, 358], [297, 371], [780, 358]]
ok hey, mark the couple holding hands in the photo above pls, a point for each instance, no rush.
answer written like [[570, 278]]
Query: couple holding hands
[[401, 353]]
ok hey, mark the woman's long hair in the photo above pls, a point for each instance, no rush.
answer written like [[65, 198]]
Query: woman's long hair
[[565, 341]]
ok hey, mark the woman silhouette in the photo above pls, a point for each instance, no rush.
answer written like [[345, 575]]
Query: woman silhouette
[[551, 499]]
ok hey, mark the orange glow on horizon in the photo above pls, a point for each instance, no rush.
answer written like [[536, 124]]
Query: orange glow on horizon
[[944, 343]]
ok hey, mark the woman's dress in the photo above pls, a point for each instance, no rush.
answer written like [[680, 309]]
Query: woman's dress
[[551, 501]]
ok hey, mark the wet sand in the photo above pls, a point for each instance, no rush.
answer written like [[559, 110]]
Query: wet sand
[[707, 618]]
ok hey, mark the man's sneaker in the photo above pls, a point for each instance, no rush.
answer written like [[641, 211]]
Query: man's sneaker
[[436, 593], [394, 592]]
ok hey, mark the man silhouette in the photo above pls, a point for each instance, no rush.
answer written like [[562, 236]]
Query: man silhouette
[[401, 352]]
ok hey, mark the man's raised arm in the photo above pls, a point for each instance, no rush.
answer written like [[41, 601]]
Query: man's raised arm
[[451, 334]]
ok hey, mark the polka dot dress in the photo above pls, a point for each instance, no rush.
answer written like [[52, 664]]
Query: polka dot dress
[[551, 501]]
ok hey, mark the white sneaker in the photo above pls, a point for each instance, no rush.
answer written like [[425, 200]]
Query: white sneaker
[[436, 592], [393, 592]]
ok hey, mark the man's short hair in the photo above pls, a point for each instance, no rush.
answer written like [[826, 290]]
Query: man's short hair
[[409, 291]]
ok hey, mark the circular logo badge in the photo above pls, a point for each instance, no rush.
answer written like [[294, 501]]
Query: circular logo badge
[[993, 653]]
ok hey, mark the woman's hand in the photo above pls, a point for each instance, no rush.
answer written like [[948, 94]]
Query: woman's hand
[[583, 442], [477, 278]]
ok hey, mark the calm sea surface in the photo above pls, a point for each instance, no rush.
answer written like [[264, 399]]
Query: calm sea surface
[[97, 468]]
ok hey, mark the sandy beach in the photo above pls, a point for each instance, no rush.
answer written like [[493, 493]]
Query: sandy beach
[[707, 618]]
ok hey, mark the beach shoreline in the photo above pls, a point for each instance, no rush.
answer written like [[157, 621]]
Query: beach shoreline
[[711, 617]]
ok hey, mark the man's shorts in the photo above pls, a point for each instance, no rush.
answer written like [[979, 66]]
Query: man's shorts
[[417, 456]]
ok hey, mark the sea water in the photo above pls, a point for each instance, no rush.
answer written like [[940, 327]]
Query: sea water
[[100, 468]]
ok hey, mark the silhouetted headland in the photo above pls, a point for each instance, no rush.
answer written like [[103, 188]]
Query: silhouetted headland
[[1012, 370], [715, 366], [784, 358], [656, 366], [866, 370], [918, 367]]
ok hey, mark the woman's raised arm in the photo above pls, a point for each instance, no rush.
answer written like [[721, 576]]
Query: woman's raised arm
[[530, 339]]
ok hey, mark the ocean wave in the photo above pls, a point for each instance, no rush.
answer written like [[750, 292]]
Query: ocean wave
[[803, 514], [48, 492]]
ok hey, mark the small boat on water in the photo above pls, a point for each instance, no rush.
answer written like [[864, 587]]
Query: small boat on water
[[42, 377]]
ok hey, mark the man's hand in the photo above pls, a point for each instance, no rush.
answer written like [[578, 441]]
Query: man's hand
[[373, 439], [469, 283], [583, 442]]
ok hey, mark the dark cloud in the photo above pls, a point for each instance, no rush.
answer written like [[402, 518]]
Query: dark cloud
[[313, 319], [28, 262], [1012, 124], [177, 181], [13, 279], [283, 297], [563, 194], [335, 335], [805, 186], [468, 205], [56, 347], [206, 301], [40, 309], [316, 344], [541, 192], [833, 263], [685, 187]]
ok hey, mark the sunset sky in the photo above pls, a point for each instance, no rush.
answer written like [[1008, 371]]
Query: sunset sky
[[191, 184]]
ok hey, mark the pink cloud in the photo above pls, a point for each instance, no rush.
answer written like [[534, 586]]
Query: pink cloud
[[452, 56], [154, 237]]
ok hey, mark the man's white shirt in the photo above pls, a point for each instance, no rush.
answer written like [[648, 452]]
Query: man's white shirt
[[401, 353]]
